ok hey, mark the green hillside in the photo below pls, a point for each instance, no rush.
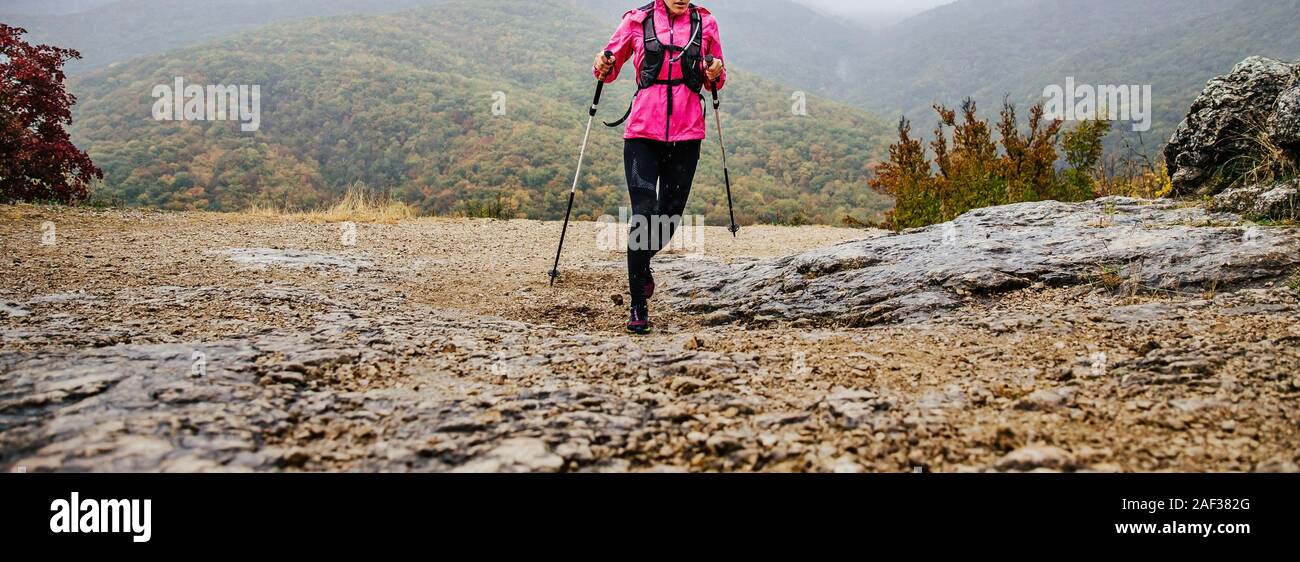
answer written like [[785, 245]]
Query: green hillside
[[1178, 60], [984, 49], [988, 49], [403, 103]]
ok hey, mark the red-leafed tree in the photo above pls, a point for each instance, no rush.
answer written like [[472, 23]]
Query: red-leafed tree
[[38, 162]]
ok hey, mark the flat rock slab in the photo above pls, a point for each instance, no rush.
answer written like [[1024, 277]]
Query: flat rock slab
[[12, 309], [1119, 243], [295, 259], [400, 390]]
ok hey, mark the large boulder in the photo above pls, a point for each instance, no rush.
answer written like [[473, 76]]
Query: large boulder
[[1284, 125], [1225, 122], [1279, 201]]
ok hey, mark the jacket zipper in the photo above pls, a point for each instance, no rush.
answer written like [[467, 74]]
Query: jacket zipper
[[672, 39]]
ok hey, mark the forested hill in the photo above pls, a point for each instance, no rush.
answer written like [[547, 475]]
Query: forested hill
[[1178, 60], [988, 49], [985, 49], [403, 102]]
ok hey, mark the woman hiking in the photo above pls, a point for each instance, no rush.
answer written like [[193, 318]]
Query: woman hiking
[[676, 51]]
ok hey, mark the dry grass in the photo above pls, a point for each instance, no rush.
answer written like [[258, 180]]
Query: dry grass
[[1211, 291], [266, 210], [1264, 163], [359, 204], [1110, 276]]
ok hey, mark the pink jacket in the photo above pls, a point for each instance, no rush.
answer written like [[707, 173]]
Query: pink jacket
[[649, 119]]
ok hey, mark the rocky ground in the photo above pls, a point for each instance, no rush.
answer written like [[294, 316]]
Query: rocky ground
[[1114, 336]]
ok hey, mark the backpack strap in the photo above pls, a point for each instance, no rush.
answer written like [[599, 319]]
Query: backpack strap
[[697, 28], [627, 114], [648, 32], [693, 59]]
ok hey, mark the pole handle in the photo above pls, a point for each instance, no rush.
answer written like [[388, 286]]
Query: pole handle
[[713, 86], [600, 87]]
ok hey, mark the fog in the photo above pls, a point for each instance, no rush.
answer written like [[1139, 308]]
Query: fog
[[862, 7]]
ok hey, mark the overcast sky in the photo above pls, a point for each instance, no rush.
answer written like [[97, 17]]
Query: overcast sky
[[869, 6]]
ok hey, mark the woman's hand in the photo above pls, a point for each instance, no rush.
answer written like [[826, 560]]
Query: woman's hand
[[603, 64], [714, 71]]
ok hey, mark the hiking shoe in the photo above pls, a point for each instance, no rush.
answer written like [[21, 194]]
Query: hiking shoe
[[640, 322]]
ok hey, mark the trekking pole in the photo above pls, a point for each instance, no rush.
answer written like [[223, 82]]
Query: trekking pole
[[595, 102], [726, 174]]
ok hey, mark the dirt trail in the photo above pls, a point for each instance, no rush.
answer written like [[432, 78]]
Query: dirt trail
[[436, 345]]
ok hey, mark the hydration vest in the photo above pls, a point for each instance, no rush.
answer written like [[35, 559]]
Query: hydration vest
[[657, 53]]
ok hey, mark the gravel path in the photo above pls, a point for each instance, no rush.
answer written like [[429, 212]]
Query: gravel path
[[142, 341]]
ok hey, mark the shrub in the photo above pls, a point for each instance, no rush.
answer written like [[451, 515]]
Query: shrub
[[38, 162], [969, 171]]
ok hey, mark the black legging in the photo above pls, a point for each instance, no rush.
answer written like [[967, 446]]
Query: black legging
[[672, 165]]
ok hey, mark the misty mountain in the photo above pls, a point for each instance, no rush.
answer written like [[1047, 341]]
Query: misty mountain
[[1177, 60], [779, 39], [988, 49], [404, 103], [782, 40], [120, 30], [48, 7], [978, 47], [985, 49]]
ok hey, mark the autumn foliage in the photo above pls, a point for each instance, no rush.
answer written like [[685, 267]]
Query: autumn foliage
[[972, 168], [37, 160]]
